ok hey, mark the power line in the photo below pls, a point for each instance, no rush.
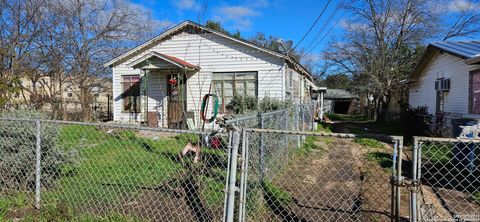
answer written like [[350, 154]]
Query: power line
[[325, 25], [313, 25], [328, 32]]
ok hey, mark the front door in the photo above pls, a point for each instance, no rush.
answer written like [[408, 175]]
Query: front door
[[176, 101]]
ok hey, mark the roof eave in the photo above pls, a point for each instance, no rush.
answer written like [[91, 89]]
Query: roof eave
[[179, 26], [473, 61]]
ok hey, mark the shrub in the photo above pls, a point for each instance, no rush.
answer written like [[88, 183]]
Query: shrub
[[18, 152], [417, 121], [268, 104], [249, 104], [243, 104]]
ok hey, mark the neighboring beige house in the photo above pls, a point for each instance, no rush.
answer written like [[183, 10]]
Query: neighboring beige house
[[67, 95], [162, 81], [447, 79]]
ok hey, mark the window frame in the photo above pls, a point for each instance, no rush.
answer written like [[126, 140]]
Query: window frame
[[122, 83], [440, 102], [234, 84], [470, 91]]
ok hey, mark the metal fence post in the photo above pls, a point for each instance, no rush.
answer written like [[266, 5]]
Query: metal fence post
[[312, 114], [232, 177], [243, 178], [296, 115], [399, 178], [38, 156], [302, 109], [261, 123], [413, 191]]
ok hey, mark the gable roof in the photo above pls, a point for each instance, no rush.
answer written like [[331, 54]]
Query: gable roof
[[176, 29], [339, 94], [169, 59], [468, 50]]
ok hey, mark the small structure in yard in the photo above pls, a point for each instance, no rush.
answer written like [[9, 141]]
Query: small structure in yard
[[340, 101], [162, 82], [447, 80]]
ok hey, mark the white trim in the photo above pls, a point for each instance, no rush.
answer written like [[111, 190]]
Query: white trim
[[182, 25], [158, 55]]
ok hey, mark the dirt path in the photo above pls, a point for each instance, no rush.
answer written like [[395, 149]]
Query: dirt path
[[329, 187]]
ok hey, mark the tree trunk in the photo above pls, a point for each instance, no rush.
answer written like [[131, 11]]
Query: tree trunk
[[85, 106]]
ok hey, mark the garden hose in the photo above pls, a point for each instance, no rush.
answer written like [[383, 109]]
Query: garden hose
[[215, 108]]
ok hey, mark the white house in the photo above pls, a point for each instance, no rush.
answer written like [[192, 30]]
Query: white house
[[162, 82], [447, 79]]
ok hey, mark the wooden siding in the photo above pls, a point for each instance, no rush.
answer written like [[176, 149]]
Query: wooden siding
[[213, 54], [422, 91]]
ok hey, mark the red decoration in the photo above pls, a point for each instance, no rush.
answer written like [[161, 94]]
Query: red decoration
[[172, 82]]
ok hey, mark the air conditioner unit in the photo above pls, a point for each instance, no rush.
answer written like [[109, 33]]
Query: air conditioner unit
[[442, 85]]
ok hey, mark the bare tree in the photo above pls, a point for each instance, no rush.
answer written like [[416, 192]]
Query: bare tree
[[384, 40], [19, 27], [89, 32]]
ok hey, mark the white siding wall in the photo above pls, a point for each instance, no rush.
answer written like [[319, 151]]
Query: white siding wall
[[448, 66], [213, 54], [118, 115]]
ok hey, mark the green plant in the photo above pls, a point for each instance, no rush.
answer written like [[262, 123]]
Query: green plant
[[437, 153], [276, 193], [243, 104], [345, 117], [417, 121], [325, 127], [18, 151], [369, 142], [267, 104], [384, 160], [309, 145], [15, 200], [476, 197]]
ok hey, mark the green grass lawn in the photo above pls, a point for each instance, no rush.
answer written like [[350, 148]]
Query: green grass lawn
[[436, 153], [345, 117], [110, 167]]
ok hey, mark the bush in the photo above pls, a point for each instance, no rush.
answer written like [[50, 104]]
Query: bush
[[268, 104], [18, 152], [250, 104], [417, 121], [241, 104]]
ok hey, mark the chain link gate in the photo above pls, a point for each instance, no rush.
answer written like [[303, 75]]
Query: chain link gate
[[445, 180], [327, 177]]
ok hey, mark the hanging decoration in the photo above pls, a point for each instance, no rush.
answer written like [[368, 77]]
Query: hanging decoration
[[173, 88], [205, 100]]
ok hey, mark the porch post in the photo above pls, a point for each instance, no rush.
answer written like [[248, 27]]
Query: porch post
[[321, 106]]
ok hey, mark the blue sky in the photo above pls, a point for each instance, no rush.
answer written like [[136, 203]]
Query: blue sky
[[287, 19]]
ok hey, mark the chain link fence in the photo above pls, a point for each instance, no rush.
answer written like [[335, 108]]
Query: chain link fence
[[83, 171], [328, 177], [299, 117], [448, 173]]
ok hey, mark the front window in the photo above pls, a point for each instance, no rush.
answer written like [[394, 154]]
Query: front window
[[131, 93], [475, 92], [226, 85]]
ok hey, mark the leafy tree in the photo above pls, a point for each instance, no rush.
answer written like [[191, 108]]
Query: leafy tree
[[216, 26], [338, 81]]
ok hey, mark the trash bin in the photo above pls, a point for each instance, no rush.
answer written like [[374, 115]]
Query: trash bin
[[456, 123], [464, 154]]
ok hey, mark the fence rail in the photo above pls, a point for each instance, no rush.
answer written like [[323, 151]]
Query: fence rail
[[300, 117]]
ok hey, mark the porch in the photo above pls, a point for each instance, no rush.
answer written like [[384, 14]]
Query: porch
[[158, 98]]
